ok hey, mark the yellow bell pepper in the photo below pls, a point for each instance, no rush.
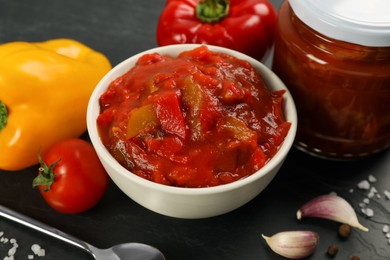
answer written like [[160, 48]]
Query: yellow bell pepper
[[44, 93]]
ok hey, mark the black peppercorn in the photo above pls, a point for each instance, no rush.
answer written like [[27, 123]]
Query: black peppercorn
[[332, 250], [345, 230], [354, 258]]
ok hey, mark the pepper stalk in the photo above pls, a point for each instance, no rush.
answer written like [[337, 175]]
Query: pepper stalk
[[3, 115], [212, 11]]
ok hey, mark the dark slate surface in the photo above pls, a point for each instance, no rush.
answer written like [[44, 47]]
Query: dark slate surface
[[120, 29]]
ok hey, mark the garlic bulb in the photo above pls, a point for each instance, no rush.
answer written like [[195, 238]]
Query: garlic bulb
[[331, 207], [293, 244]]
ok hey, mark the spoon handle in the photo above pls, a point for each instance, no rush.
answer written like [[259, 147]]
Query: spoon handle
[[41, 227]]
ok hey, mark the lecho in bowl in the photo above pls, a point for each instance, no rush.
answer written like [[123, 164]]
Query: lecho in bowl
[[191, 131]]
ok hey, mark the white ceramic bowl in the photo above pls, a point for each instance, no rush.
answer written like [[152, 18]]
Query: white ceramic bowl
[[190, 203]]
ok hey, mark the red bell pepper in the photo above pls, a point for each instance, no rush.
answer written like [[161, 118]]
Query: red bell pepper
[[169, 114], [247, 26]]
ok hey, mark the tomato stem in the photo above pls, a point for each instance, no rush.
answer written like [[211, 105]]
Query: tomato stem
[[46, 174], [3, 115], [212, 11]]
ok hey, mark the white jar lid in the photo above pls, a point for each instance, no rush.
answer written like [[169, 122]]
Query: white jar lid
[[363, 22]]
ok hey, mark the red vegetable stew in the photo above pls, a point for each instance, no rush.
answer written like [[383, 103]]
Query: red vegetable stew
[[197, 120]]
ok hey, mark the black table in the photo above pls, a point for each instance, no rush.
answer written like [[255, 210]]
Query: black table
[[120, 29]]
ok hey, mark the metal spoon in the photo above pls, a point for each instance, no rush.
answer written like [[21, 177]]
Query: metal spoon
[[128, 251]]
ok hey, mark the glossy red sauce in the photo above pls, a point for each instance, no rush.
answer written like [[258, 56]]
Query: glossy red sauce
[[197, 120]]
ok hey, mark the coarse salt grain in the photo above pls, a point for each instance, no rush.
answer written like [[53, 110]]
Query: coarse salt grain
[[368, 212], [388, 235], [12, 251], [41, 252], [371, 178], [362, 205], [30, 256], [373, 192], [364, 185], [387, 194], [385, 229], [37, 250], [366, 200]]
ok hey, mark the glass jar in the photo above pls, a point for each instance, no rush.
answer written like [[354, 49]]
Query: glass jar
[[336, 63]]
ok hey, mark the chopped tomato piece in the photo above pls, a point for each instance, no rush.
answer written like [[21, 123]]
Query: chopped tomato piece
[[169, 114]]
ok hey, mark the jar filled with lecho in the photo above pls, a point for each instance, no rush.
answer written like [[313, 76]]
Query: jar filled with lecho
[[334, 56]]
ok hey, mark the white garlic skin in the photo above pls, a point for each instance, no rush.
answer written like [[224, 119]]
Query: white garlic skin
[[293, 244], [331, 207]]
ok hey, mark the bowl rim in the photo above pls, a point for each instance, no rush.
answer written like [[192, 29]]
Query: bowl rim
[[126, 65]]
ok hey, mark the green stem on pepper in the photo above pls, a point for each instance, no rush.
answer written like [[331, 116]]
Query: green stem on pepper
[[3, 115], [212, 11]]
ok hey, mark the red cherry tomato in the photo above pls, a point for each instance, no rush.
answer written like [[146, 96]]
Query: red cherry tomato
[[71, 178]]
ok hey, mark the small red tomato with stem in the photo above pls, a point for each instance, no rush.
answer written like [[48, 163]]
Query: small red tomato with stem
[[71, 178]]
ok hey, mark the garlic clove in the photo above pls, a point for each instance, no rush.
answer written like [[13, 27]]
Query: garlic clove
[[331, 207], [293, 244]]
